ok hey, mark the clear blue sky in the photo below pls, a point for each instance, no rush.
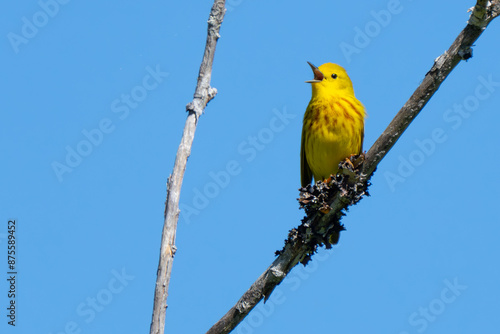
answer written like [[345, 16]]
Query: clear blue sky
[[94, 95]]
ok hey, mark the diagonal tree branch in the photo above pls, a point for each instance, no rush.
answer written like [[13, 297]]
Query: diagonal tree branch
[[460, 50], [346, 190], [202, 95]]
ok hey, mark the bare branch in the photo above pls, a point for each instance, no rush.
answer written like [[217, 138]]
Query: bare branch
[[317, 228], [203, 94], [443, 65]]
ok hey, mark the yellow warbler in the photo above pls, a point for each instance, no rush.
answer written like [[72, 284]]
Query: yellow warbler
[[333, 126]]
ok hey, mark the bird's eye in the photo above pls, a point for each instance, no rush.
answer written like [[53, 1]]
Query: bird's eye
[[334, 76]]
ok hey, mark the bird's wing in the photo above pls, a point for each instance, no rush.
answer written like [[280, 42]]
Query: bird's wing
[[362, 139], [305, 171]]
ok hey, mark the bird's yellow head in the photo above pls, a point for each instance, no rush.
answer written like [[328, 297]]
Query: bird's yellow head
[[330, 79]]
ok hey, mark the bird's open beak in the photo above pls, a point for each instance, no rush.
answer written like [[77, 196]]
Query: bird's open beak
[[318, 76]]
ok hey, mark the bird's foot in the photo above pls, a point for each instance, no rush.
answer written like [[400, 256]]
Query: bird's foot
[[357, 159], [351, 165]]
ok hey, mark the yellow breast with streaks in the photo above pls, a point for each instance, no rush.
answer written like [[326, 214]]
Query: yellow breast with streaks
[[333, 129]]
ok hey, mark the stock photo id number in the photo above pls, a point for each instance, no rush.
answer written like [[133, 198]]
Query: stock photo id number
[[11, 272]]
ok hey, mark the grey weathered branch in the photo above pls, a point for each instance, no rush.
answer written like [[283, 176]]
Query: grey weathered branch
[[317, 228], [202, 95], [460, 49]]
